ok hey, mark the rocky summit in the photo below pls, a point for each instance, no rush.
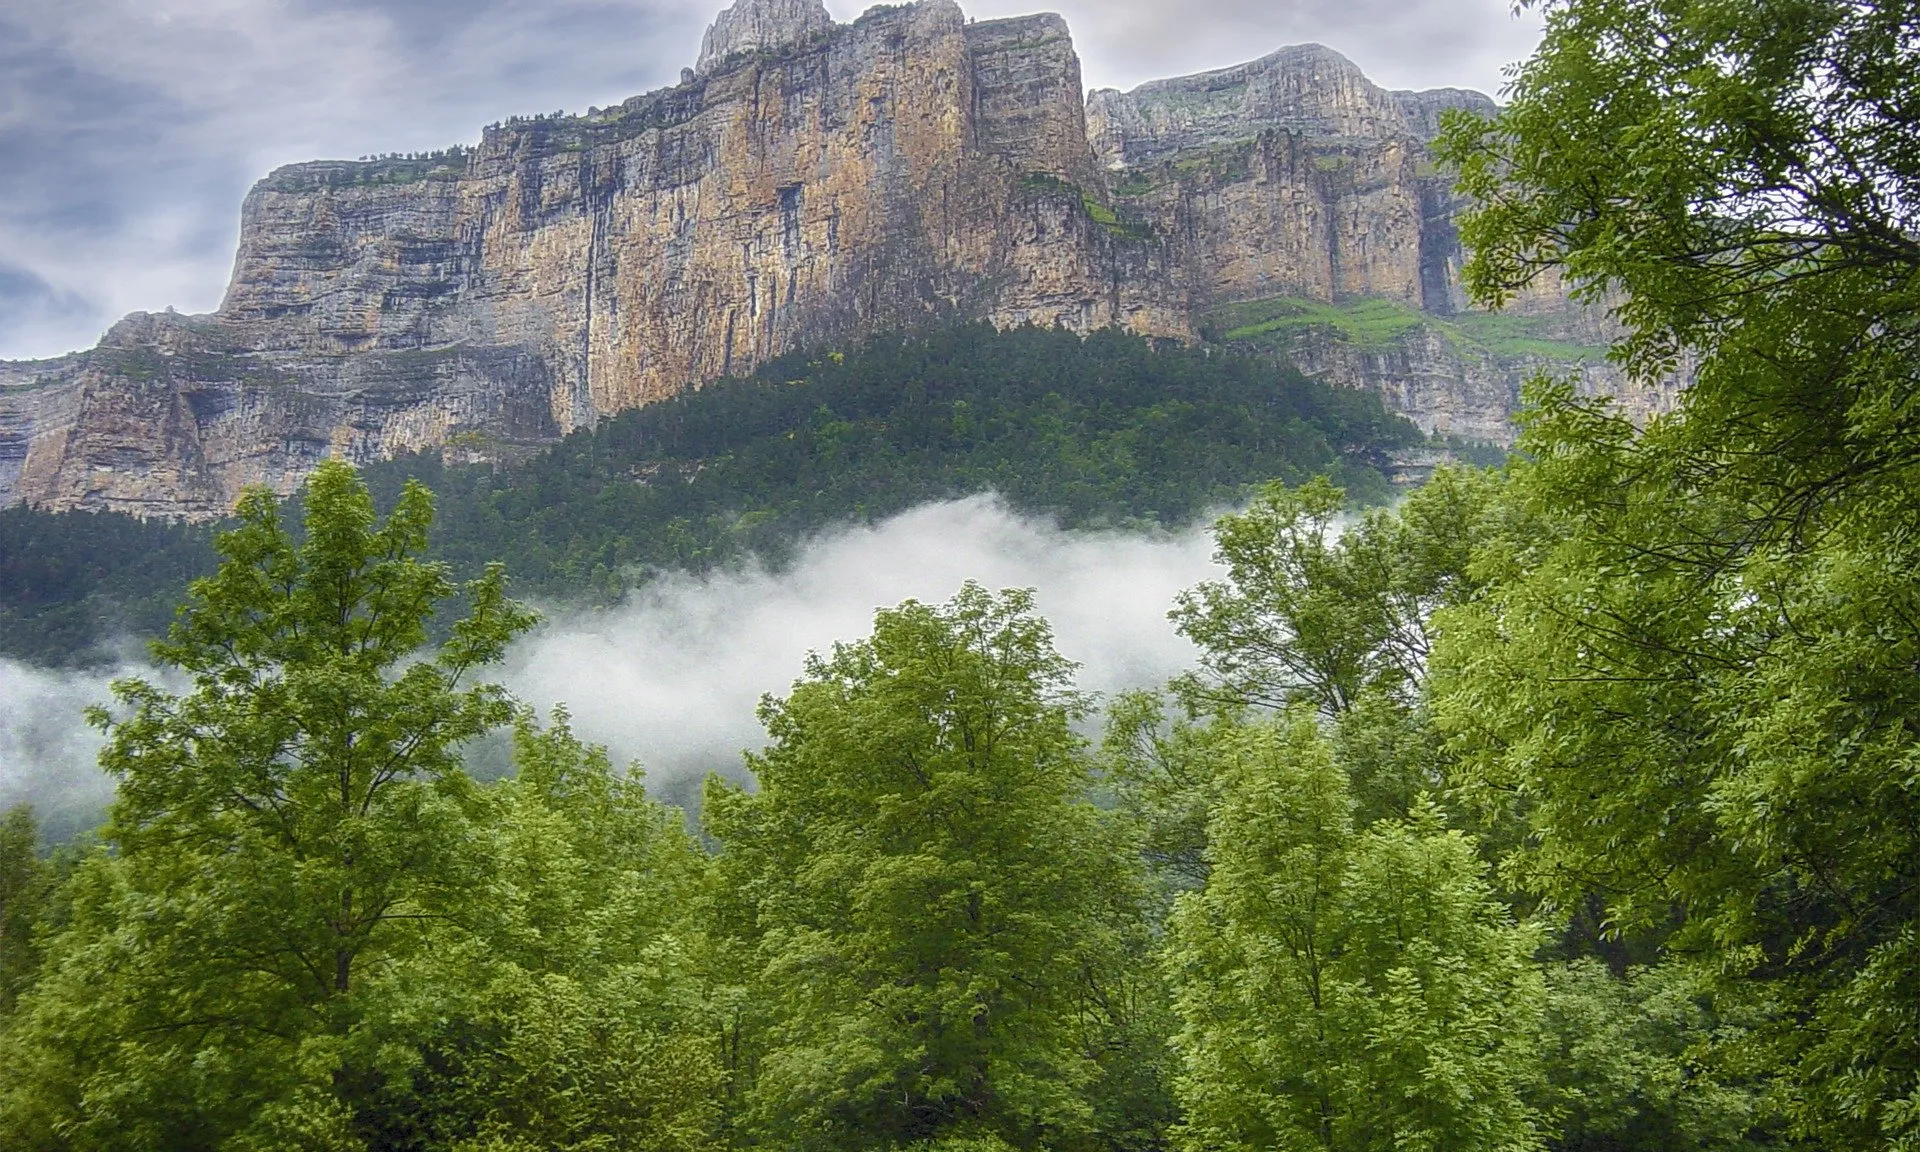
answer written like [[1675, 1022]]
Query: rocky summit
[[807, 182], [761, 26]]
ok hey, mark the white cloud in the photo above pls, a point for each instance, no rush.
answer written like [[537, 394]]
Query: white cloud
[[672, 676], [47, 751]]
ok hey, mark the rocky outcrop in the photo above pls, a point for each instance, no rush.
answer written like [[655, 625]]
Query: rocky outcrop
[[1307, 90], [808, 182], [1027, 97], [1290, 175], [170, 416], [1456, 388], [898, 170], [1294, 178], [817, 183], [760, 26]]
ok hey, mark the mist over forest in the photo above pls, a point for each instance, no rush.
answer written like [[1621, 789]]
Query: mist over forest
[[669, 675]]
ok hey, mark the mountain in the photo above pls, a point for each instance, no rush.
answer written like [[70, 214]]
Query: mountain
[[808, 183]]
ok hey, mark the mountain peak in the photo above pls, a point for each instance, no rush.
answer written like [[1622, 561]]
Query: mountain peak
[[759, 25], [1306, 90]]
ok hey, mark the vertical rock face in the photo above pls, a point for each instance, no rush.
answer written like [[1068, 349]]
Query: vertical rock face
[[1027, 98], [814, 183], [172, 415], [871, 179], [1290, 175], [809, 182], [1293, 181]]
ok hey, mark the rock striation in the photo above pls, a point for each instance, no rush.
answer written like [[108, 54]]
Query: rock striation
[[1294, 178], [806, 182]]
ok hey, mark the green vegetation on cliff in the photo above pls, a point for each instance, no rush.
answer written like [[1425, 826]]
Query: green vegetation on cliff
[[1275, 322], [1106, 430]]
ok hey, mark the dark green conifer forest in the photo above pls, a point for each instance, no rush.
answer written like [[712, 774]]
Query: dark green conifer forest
[[1111, 430], [1571, 805]]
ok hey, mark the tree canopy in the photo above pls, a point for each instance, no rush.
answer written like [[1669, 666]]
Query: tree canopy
[[1692, 676], [931, 903], [313, 928]]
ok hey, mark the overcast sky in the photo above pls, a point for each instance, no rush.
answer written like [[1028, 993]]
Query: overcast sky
[[130, 129]]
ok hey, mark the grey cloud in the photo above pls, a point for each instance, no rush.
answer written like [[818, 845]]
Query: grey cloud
[[28, 302], [130, 129], [1398, 43], [56, 107]]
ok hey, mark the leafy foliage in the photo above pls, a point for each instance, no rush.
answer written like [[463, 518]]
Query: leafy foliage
[[1694, 678], [25, 881], [575, 1016], [1571, 807], [1740, 179], [1254, 825], [316, 930], [1309, 612], [1343, 988], [1623, 1061], [927, 894]]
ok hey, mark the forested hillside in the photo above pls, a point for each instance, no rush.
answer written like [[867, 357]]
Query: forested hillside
[[1106, 430], [1572, 805], [70, 582]]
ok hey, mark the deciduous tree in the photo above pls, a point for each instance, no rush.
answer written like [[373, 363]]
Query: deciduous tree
[[1343, 988], [1696, 678], [289, 833], [929, 896]]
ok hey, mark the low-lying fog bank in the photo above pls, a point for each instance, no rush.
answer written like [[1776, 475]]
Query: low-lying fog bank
[[671, 676]]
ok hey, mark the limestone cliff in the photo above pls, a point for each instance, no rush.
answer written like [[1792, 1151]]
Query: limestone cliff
[[1293, 183], [891, 172], [807, 182], [816, 183]]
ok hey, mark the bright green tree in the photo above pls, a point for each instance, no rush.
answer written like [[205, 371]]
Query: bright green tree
[[24, 881], [573, 1013], [290, 832], [1161, 770], [1321, 608], [1695, 680], [1342, 988], [929, 905], [1624, 1062], [1723, 752], [1740, 181], [1326, 608]]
